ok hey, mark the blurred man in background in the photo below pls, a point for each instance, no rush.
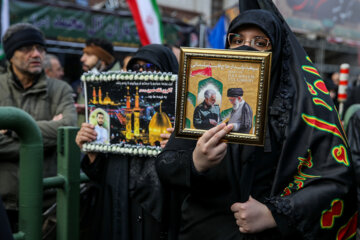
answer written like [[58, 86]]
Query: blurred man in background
[[52, 67], [98, 56]]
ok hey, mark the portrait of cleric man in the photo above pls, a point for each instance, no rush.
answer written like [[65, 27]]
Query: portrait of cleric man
[[241, 115], [207, 113]]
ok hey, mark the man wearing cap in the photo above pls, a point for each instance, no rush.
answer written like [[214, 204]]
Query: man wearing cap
[[98, 56], [241, 115], [24, 85], [207, 113]]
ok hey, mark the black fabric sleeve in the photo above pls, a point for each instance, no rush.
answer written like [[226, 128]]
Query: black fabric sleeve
[[281, 211], [174, 168], [94, 170], [173, 164]]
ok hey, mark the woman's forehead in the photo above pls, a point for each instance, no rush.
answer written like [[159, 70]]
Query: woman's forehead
[[250, 30]]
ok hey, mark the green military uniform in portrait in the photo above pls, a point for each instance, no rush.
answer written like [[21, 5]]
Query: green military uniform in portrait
[[204, 113]]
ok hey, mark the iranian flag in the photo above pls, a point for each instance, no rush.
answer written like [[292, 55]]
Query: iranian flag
[[147, 19]]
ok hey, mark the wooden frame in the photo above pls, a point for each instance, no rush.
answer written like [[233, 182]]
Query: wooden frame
[[223, 74]]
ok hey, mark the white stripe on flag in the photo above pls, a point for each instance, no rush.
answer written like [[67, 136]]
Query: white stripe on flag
[[150, 20], [4, 16]]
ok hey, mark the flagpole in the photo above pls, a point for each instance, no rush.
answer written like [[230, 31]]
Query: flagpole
[[4, 4], [5, 21]]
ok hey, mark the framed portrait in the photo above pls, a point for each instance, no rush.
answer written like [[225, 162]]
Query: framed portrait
[[129, 110], [216, 86]]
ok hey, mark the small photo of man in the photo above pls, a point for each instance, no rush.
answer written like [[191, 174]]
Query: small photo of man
[[100, 119]]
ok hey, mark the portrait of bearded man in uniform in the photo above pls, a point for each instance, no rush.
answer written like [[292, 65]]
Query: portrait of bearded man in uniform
[[207, 113]]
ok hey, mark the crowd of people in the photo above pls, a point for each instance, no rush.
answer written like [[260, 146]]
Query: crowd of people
[[302, 184]]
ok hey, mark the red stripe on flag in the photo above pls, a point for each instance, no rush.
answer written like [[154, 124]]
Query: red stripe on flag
[[344, 96], [134, 8], [344, 70], [344, 82]]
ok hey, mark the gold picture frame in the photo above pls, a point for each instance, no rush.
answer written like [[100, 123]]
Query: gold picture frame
[[224, 75]]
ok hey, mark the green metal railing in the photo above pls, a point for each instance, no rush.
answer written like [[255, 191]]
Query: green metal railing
[[31, 182], [30, 173]]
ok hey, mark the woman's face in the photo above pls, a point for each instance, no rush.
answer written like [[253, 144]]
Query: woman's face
[[250, 36], [142, 65]]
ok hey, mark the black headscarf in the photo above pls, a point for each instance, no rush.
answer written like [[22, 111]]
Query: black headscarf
[[156, 54], [271, 26], [314, 175], [144, 183]]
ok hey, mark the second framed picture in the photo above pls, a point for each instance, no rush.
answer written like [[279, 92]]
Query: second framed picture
[[216, 86]]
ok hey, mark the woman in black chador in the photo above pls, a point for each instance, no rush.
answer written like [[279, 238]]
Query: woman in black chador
[[299, 185], [128, 186]]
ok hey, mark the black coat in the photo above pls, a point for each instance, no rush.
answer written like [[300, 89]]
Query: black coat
[[304, 172], [122, 198]]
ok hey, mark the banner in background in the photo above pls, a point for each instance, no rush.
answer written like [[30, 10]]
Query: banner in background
[[148, 22], [74, 25], [336, 18]]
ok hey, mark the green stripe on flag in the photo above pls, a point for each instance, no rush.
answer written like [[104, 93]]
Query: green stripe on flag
[[157, 12]]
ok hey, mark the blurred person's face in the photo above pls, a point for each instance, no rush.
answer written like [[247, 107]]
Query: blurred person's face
[[28, 60], [100, 119], [56, 71], [176, 52], [126, 61], [332, 94], [335, 78], [210, 101], [142, 65], [89, 61], [250, 36]]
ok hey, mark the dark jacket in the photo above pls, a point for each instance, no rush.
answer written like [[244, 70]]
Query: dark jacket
[[44, 100], [121, 209], [203, 114], [304, 171]]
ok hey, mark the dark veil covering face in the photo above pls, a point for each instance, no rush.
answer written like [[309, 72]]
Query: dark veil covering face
[[156, 54], [314, 186]]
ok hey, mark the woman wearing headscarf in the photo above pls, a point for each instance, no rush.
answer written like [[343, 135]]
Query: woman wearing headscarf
[[299, 185], [128, 185]]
